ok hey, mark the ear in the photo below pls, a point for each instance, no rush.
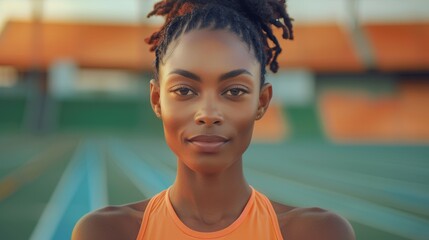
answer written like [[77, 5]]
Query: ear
[[155, 97], [265, 96]]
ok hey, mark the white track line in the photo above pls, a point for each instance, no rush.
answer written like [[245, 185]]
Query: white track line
[[147, 179], [61, 197], [97, 178], [86, 160], [355, 209]]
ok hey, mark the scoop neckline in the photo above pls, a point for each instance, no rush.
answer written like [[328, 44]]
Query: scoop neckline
[[208, 235]]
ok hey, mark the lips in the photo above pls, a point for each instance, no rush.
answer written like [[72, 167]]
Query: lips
[[208, 143]]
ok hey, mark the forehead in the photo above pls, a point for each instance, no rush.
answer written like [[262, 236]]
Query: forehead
[[210, 51]]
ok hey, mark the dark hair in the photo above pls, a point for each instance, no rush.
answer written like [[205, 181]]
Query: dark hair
[[251, 20]]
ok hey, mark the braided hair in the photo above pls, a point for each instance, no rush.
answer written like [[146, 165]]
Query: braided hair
[[251, 20]]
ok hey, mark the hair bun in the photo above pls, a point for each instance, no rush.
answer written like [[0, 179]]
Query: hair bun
[[262, 14]]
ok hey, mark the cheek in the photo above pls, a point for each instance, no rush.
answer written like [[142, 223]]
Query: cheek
[[176, 116], [175, 113], [242, 115], [243, 120]]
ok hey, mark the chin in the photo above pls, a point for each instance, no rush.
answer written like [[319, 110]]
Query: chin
[[207, 163]]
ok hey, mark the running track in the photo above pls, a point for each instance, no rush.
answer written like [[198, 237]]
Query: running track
[[47, 183]]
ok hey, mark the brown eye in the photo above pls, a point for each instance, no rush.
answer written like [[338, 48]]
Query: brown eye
[[184, 91], [235, 92]]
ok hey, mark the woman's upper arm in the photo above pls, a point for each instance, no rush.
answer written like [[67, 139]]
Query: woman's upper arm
[[96, 225], [317, 223], [338, 228]]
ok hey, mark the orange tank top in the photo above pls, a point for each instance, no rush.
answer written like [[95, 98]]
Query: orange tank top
[[257, 221]]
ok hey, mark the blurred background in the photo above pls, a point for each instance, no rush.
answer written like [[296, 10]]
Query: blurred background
[[348, 129]]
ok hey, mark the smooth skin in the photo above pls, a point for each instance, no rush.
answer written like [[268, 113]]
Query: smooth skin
[[209, 84]]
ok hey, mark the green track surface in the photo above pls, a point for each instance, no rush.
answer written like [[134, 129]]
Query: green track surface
[[120, 189], [21, 211]]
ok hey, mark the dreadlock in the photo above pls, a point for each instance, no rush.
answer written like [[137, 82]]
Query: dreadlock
[[251, 20]]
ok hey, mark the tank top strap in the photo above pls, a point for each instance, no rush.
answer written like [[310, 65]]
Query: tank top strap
[[272, 213], [154, 201]]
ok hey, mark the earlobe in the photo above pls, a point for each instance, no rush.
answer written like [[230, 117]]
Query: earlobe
[[264, 100], [155, 97], [260, 114]]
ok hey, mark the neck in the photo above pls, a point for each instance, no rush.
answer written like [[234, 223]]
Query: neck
[[209, 201]]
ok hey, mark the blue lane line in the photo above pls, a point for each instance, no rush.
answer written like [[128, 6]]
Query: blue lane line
[[73, 196], [146, 178], [355, 209], [166, 163], [97, 180], [395, 193], [61, 198], [158, 151], [79, 205]]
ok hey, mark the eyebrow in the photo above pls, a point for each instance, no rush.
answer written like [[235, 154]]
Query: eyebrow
[[228, 75]]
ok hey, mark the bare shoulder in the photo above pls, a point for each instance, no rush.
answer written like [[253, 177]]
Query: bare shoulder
[[312, 223], [113, 222]]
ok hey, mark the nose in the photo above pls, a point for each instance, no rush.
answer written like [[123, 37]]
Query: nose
[[209, 114], [208, 118]]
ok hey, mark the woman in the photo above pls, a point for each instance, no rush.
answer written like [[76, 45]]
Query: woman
[[209, 89]]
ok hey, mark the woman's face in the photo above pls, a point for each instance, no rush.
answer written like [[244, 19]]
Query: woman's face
[[208, 97]]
